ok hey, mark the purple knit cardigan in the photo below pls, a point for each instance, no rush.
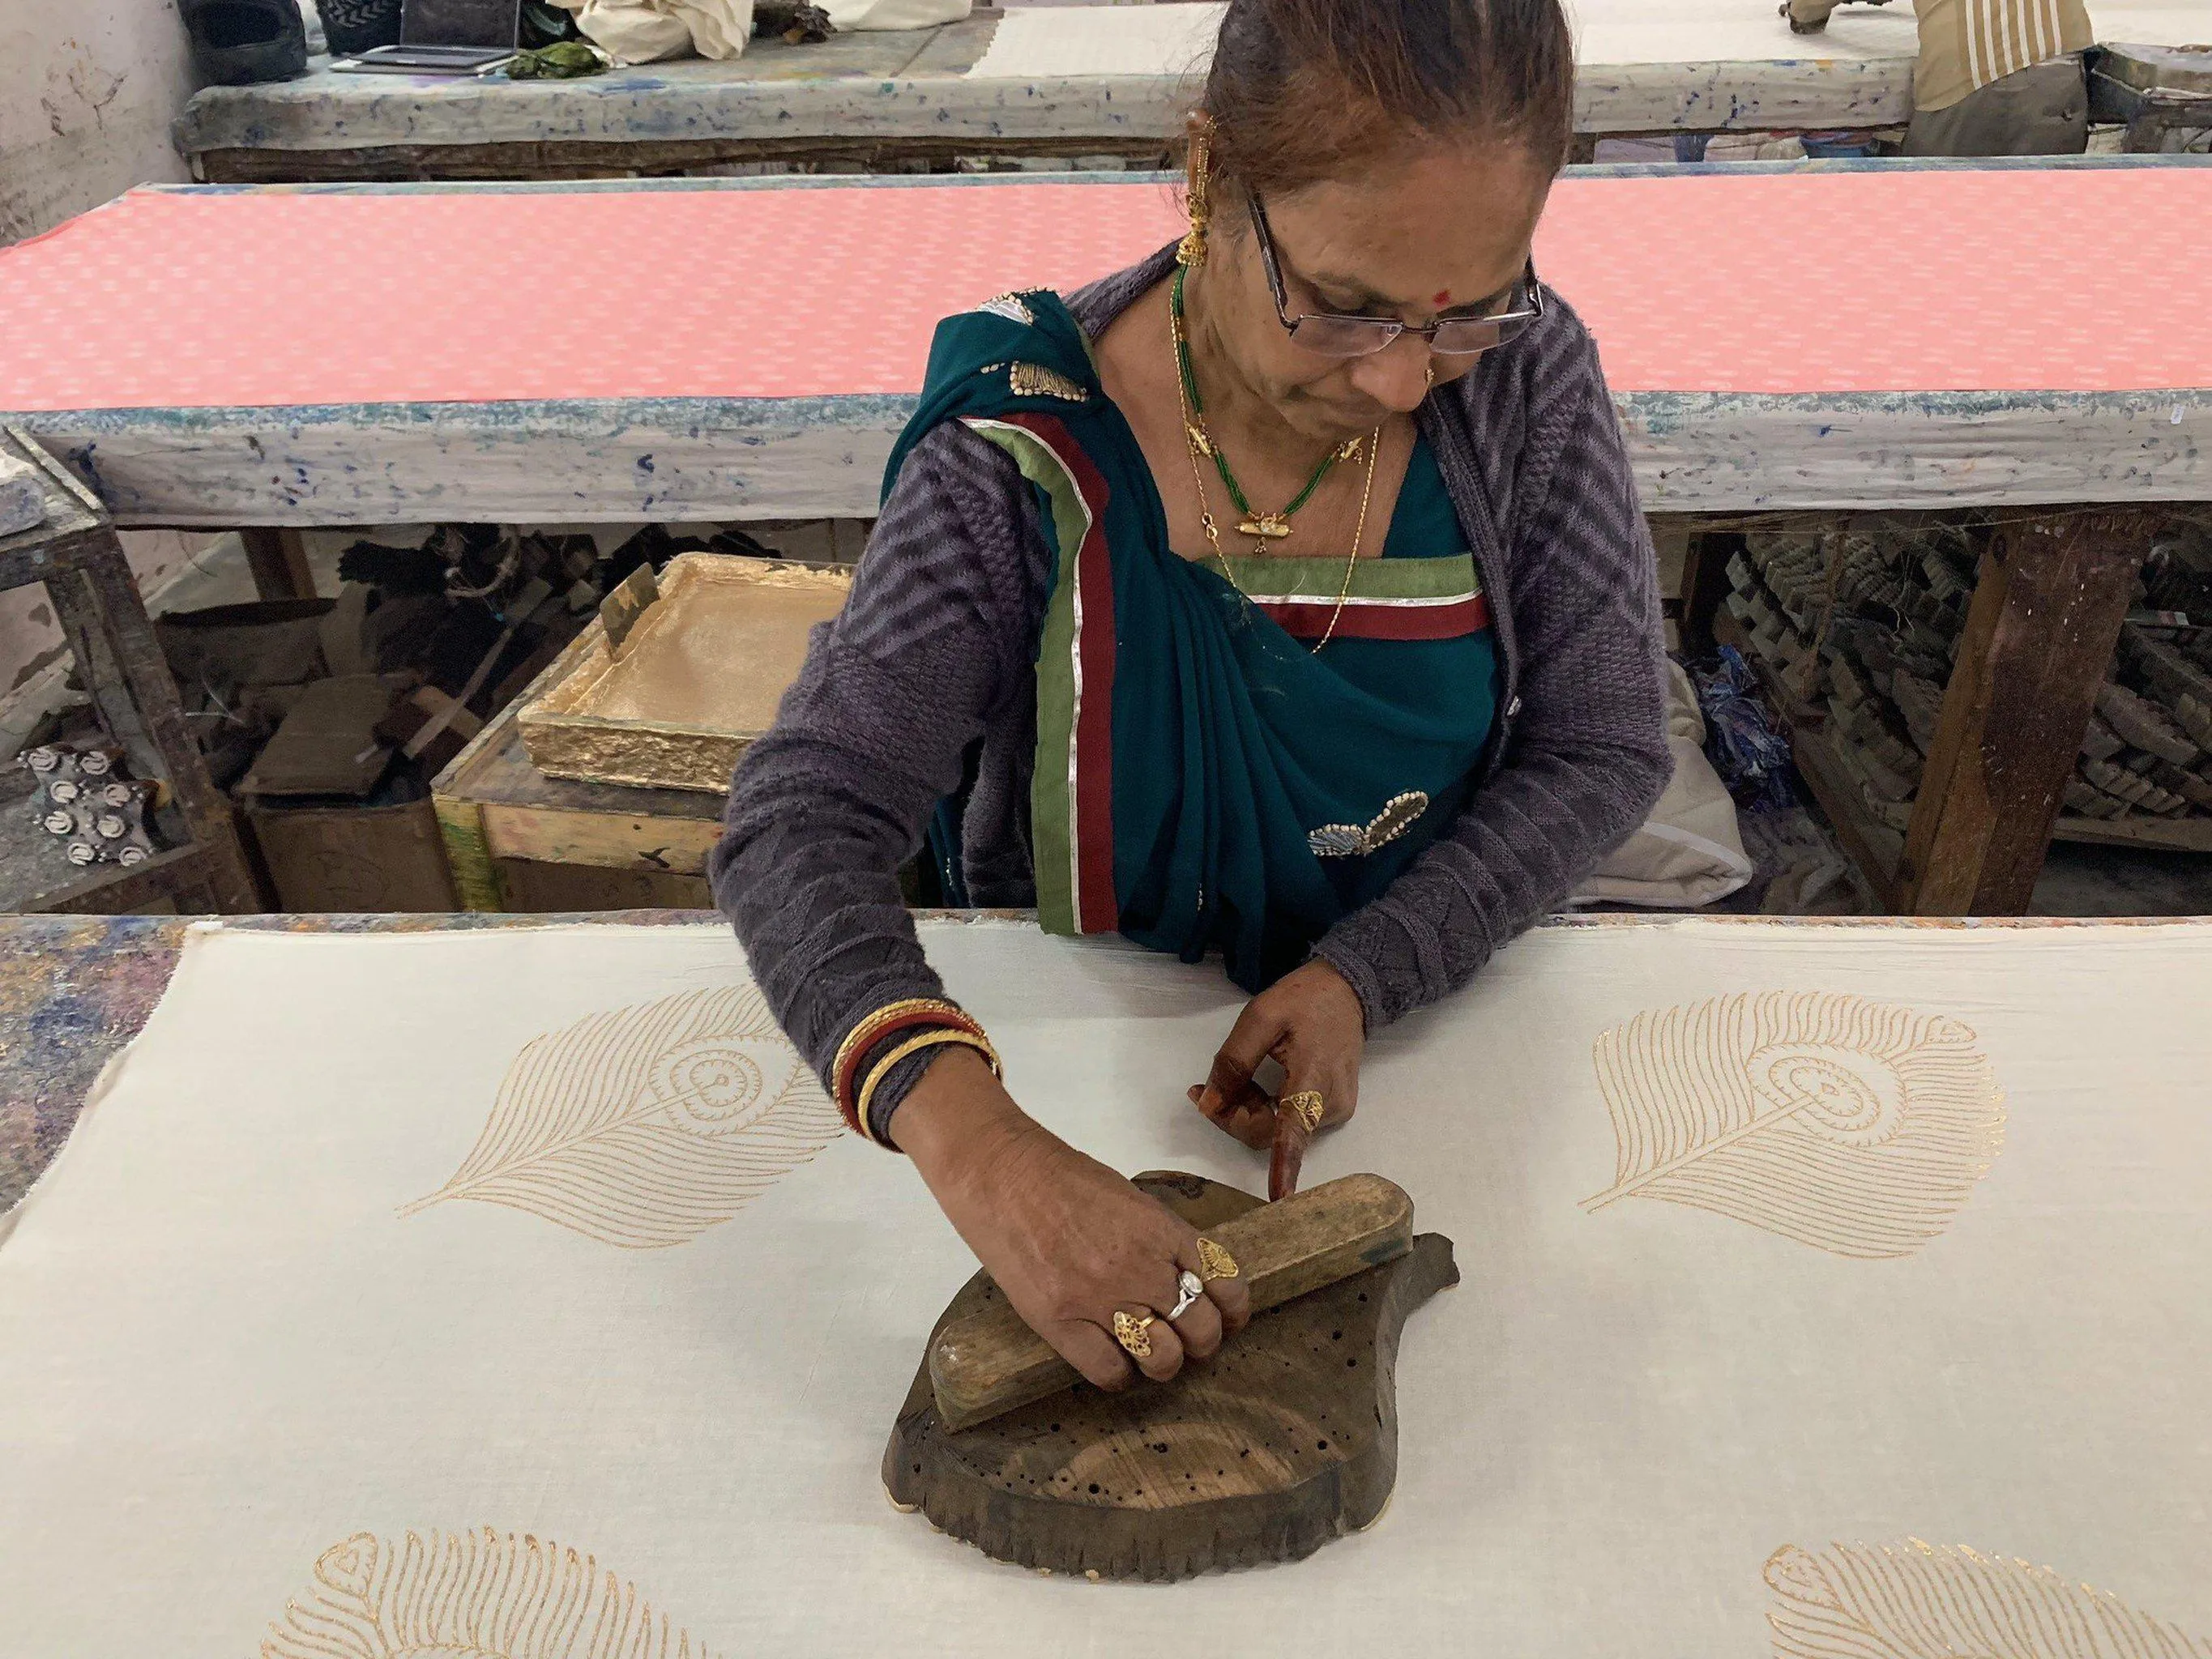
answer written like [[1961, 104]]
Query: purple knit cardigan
[[932, 662]]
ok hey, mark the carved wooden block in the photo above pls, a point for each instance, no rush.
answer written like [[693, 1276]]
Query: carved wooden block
[[1287, 1439]]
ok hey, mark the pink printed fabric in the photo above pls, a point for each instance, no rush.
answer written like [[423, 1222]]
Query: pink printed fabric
[[1802, 284]]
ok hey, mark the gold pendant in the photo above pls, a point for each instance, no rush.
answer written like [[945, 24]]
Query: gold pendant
[[1266, 525]]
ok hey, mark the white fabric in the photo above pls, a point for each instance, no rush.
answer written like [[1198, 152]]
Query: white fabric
[[1054, 42], [850, 15], [224, 1349], [1689, 852], [1048, 42], [1609, 32], [646, 31], [2152, 22]]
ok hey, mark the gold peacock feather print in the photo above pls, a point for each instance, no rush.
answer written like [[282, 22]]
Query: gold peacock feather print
[[482, 1594], [645, 1126], [1916, 1600], [1856, 1127]]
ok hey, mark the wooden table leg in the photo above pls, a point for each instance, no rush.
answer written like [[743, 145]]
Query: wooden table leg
[[99, 607], [2039, 639], [278, 558]]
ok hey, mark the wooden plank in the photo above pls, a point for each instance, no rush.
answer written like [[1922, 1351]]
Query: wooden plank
[[207, 812], [527, 886], [1965, 708], [460, 827], [177, 877], [608, 840], [991, 1362], [1870, 844], [555, 160], [277, 555], [2039, 637], [2172, 835]]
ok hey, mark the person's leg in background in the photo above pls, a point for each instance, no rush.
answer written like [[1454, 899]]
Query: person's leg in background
[[2043, 111]]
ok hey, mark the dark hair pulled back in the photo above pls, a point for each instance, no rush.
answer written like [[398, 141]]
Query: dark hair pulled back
[[1306, 90]]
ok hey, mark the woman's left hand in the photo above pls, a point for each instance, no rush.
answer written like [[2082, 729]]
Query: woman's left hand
[[1312, 1022]]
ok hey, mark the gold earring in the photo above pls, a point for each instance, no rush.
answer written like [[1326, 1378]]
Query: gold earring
[[1201, 165]]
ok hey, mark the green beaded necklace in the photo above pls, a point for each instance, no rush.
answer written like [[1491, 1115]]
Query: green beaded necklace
[[1268, 526]]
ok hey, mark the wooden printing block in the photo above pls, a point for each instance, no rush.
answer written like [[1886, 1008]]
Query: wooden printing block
[[1287, 1439]]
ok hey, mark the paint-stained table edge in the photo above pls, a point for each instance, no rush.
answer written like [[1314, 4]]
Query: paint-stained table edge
[[919, 89], [738, 459]]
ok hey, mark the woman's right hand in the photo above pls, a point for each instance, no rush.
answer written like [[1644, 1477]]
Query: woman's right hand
[[1068, 1240]]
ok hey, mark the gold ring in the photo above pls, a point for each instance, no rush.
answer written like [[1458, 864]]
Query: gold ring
[[1213, 1261], [1135, 1335], [1307, 1106]]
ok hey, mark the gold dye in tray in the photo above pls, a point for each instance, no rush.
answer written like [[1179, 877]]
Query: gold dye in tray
[[698, 678]]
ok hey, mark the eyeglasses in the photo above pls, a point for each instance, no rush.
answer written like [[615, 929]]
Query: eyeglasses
[[1332, 336]]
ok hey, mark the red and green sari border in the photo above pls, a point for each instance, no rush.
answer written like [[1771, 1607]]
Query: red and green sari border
[[1072, 788]]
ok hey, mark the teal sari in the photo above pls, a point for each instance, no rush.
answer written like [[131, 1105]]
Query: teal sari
[[1203, 780]]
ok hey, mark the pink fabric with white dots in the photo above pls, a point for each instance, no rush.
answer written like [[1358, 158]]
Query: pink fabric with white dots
[[2086, 281]]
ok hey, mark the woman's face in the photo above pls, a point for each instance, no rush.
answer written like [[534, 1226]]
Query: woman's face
[[1438, 232]]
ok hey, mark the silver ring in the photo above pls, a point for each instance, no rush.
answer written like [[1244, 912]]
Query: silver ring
[[1192, 1287]]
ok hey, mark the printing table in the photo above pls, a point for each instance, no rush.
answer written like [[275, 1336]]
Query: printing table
[[1054, 82], [1828, 1289], [184, 394], [764, 373]]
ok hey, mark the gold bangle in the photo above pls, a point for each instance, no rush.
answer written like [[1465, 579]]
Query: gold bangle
[[936, 1037], [861, 1037]]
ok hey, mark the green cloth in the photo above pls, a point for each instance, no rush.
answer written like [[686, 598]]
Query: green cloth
[[1204, 781], [564, 60]]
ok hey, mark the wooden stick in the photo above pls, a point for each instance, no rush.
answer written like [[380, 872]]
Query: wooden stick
[[987, 1363]]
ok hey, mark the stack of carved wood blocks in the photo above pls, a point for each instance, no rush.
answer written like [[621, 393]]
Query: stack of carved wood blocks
[[1861, 627]]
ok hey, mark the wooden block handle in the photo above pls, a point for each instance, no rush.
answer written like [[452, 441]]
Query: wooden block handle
[[989, 1361]]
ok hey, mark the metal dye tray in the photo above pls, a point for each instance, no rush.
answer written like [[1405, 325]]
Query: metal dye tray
[[696, 680]]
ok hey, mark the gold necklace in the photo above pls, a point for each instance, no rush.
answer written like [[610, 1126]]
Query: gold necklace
[[1206, 513], [1266, 526]]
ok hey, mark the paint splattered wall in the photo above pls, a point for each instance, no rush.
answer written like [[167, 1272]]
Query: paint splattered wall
[[88, 90]]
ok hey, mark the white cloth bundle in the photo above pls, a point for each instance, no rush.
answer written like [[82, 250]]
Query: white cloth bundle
[[1783, 1245], [1689, 851], [646, 31]]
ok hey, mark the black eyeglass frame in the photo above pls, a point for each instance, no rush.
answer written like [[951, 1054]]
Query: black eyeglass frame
[[1508, 324]]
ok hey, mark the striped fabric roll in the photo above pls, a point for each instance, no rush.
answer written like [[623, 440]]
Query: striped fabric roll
[[1964, 45]]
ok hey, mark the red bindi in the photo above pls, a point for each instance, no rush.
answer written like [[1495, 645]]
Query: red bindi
[[1443, 297]]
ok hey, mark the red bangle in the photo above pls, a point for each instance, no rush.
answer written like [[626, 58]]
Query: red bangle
[[869, 1036]]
